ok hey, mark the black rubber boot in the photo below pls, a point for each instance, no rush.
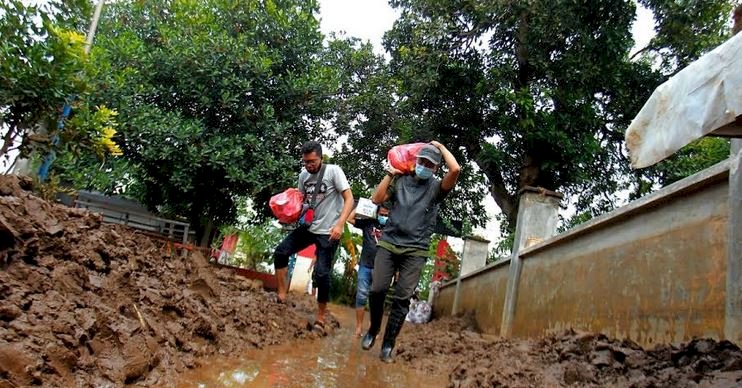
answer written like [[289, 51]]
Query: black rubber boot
[[368, 340], [376, 310], [393, 327]]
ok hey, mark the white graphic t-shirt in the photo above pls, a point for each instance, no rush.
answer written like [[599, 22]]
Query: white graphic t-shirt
[[329, 201]]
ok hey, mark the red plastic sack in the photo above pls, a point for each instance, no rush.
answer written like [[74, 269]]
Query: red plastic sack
[[287, 206], [403, 157]]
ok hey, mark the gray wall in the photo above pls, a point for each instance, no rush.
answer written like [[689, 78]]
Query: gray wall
[[653, 271]]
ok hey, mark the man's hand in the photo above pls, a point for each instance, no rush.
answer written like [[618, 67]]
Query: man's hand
[[449, 181], [336, 232], [389, 169], [393, 171]]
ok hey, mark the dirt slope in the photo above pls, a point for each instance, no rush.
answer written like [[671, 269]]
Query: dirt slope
[[87, 304]]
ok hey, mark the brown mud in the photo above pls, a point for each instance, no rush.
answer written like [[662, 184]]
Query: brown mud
[[454, 345], [335, 361], [87, 304]]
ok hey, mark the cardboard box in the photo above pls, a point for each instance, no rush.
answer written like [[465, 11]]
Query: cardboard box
[[365, 208]]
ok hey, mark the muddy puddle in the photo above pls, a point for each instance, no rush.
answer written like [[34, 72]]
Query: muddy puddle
[[334, 361]]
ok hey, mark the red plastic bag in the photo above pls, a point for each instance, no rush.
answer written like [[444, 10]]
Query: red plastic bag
[[403, 157], [287, 206]]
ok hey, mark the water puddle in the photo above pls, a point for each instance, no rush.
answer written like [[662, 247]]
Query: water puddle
[[335, 361]]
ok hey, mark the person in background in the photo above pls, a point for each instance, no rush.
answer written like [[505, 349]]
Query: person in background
[[405, 241], [371, 228]]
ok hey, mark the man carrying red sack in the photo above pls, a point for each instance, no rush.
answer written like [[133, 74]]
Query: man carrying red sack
[[328, 202], [403, 246]]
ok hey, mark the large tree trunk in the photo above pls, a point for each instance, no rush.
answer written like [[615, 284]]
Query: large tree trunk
[[529, 171], [207, 232], [8, 140], [506, 201]]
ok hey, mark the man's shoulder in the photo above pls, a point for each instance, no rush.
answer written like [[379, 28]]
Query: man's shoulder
[[334, 168], [303, 175]]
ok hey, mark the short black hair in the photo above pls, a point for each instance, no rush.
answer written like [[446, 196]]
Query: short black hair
[[311, 146]]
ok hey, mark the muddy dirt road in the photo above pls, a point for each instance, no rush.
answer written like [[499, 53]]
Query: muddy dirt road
[[87, 304], [571, 359], [333, 361]]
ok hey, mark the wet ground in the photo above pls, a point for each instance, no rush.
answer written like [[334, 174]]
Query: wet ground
[[88, 304], [333, 361]]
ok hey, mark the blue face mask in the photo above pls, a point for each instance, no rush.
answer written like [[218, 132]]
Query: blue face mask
[[423, 172], [382, 219]]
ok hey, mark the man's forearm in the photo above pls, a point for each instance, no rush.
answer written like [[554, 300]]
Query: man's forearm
[[449, 181], [450, 160], [347, 206], [381, 189]]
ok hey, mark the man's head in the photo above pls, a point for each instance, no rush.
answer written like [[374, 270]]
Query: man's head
[[737, 16], [383, 210], [311, 156], [382, 214], [428, 160]]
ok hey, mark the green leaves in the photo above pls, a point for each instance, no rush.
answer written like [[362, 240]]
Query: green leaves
[[42, 63], [686, 30], [535, 93], [215, 97]]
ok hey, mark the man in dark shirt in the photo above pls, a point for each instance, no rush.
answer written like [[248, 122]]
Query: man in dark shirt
[[404, 244], [371, 228]]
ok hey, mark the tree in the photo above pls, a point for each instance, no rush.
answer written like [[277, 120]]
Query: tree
[[214, 98], [371, 116], [42, 64], [535, 93], [685, 31], [694, 157]]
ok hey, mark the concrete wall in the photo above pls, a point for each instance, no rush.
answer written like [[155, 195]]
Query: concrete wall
[[443, 304], [490, 284], [653, 271]]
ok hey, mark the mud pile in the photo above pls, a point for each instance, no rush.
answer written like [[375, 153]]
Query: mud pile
[[454, 346], [87, 304]]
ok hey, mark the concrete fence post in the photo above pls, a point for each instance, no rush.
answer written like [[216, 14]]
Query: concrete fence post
[[538, 214], [456, 296], [733, 315], [473, 258], [475, 255]]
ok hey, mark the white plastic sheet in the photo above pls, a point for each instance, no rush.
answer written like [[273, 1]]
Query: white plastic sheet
[[704, 96]]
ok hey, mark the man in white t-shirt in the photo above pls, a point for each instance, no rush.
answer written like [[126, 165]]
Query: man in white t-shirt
[[331, 201]]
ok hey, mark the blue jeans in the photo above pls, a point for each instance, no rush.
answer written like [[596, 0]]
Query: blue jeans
[[364, 285]]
